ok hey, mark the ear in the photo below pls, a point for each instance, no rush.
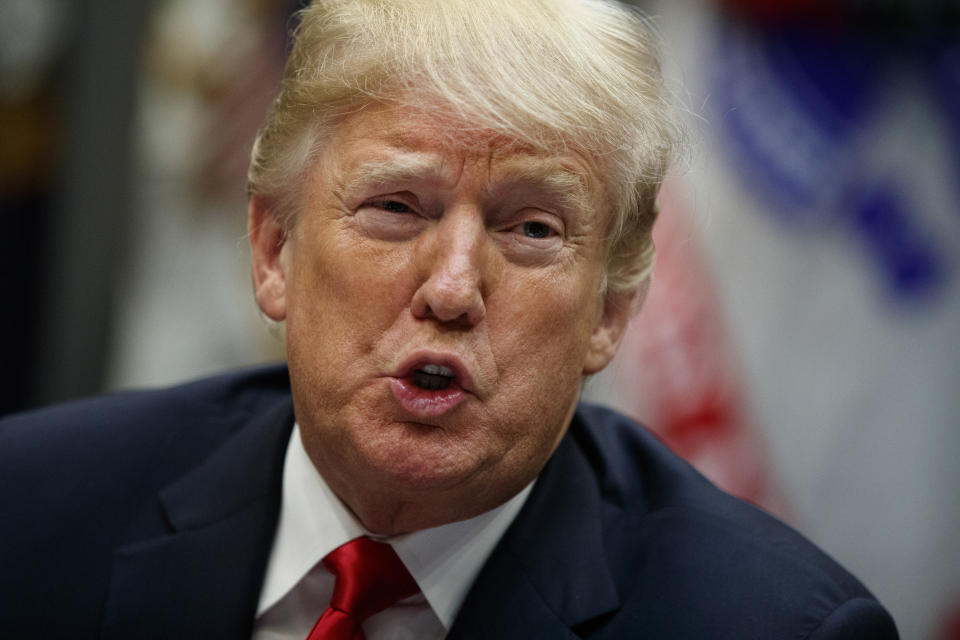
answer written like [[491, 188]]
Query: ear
[[610, 327], [268, 246]]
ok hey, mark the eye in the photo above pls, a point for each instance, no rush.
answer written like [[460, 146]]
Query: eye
[[535, 229], [393, 206], [393, 217], [537, 239]]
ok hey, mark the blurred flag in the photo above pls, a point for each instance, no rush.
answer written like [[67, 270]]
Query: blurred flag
[[678, 371], [800, 341]]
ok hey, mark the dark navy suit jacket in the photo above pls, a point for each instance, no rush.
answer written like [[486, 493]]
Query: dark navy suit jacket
[[151, 515]]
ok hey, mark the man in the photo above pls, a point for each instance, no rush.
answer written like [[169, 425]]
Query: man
[[450, 211]]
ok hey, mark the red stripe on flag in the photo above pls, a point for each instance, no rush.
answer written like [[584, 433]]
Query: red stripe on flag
[[678, 371]]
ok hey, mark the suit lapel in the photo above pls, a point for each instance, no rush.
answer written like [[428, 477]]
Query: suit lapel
[[203, 580], [550, 571]]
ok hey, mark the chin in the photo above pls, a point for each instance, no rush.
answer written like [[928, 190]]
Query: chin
[[417, 458]]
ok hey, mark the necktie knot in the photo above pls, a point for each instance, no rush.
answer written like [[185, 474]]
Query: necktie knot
[[369, 578]]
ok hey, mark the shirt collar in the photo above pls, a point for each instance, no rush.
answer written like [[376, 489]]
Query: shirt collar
[[443, 560]]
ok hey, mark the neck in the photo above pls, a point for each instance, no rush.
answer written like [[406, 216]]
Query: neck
[[387, 511]]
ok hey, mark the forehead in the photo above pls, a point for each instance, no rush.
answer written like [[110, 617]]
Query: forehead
[[415, 143]]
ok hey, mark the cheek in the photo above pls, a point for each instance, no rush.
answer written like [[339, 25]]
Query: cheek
[[345, 285], [540, 346], [544, 319]]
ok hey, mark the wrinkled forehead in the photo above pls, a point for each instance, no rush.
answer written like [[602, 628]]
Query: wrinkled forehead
[[381, 141]]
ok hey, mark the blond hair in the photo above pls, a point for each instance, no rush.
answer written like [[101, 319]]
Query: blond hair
[[551, 74]]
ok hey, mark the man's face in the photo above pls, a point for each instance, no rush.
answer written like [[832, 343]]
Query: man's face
[[442, 304]]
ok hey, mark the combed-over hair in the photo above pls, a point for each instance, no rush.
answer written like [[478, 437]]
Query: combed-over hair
[[552, 74]]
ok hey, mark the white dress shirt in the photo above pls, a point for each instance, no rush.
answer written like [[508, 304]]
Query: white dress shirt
[[297, 588]]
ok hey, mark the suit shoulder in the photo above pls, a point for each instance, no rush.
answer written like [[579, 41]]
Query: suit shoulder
[[131, 428], [633, 466], [699, 544], [81, 483]]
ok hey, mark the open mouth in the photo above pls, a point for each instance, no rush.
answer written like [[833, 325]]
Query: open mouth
[[433, 377], [433, 372], [429, 385]]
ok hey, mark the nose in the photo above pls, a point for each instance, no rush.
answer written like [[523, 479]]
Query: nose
[[452, 267]]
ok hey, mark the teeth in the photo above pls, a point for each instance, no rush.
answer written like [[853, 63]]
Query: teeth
[[433, 377], [437, 370]]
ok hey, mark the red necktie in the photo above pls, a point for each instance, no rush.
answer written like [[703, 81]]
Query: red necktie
[[369, 578]]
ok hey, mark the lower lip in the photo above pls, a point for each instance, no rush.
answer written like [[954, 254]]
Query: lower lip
[[424, 403]]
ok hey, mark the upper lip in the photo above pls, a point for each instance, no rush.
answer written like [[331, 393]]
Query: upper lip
[[452, 362]]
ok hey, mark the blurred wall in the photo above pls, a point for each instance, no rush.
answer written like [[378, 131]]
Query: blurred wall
[[126, 133], [68, 71], [185, 307]]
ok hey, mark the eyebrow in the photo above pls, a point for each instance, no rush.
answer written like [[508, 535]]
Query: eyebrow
[[399, 168], [568, 186]]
